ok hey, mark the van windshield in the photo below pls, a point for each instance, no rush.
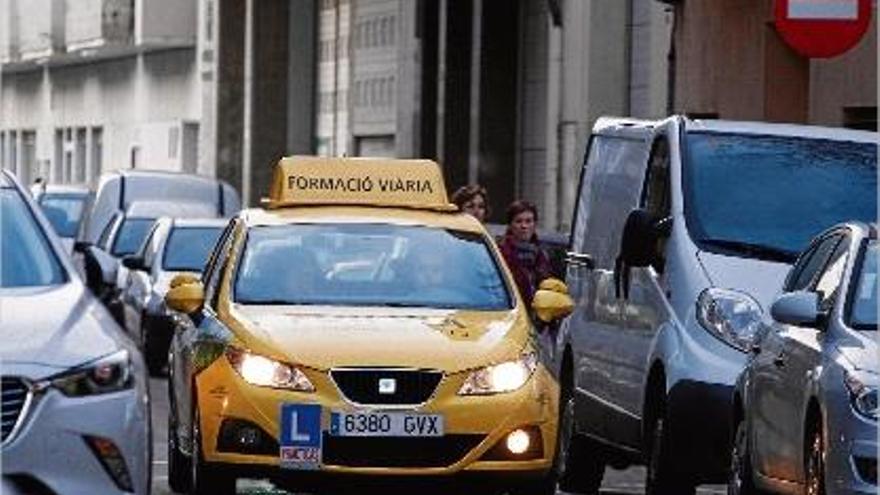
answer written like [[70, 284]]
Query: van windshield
[[765, 197], [369, 265]]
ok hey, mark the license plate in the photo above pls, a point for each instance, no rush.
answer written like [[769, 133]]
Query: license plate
[[385, 424]]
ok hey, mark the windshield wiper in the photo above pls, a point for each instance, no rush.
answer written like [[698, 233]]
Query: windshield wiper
[[752, 250]]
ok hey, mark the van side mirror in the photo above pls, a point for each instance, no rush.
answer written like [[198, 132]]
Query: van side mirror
[[186, 298], [642, 230], [551, 300], [798, 308]]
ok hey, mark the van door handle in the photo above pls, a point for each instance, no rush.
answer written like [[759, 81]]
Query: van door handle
[[583, 260]]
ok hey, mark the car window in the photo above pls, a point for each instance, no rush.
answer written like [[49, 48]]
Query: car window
[[214, 268], [64, 212], [804, 272], [26, 257], [614, 192], [131, 235], [369, 265], [750, 192], [863, 311], [828, 282], [104, 238], [188, 248]]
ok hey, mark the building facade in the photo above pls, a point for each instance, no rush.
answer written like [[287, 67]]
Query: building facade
[[730, 62], [95, 85]]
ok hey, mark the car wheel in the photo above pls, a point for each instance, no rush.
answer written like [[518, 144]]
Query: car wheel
[[580, 464], [661, 478], [814, 462], [204, 478], [178, 464], [740, 480]]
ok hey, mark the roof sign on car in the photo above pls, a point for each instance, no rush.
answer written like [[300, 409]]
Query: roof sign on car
[[310, 180]]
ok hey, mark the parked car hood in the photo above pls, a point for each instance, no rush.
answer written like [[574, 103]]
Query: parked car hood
[[56, 327], [761, 279]]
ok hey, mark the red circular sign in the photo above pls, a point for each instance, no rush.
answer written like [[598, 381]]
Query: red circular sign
[[822, 28]]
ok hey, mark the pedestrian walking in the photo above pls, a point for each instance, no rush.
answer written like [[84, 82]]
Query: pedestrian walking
[[473, 200], [521, 250]]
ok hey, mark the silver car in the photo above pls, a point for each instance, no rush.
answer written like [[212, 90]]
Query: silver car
[[64, 206], [806, 404], [173, 246], [75, 404]]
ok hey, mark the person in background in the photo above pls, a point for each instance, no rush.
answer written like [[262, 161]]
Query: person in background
[[473, 200], [525, 257]]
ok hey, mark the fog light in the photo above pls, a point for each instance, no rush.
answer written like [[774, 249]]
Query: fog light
[[248, 436], [518, 442], [112, 461]]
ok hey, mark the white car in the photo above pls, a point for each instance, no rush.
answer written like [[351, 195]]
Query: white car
[[75, 403]]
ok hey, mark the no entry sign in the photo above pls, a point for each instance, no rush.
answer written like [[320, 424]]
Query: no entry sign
[[822, 28]]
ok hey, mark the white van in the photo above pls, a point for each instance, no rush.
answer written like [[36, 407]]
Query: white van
[[683, 233]]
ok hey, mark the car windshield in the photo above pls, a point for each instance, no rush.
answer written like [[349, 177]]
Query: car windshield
[[131, 235], [26, 258], [369, 265], [64, 212], [767, 196], [863, 314], [187, 248]]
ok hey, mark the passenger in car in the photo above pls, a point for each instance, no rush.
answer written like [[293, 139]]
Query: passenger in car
[[521, 250], [474, 200]]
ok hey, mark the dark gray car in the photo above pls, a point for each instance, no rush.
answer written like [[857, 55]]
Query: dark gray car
[[806, 404]]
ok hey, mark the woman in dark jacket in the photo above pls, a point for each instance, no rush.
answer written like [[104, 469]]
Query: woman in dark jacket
[[528, 262]]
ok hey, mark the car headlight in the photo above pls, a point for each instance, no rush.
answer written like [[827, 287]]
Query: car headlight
[[500, 378], [732, 316], [862, 396], [108, 374], [265, 372]]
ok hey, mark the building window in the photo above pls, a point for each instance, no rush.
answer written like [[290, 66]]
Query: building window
[[57, 166], [80, 150], [392, 28], [2, 149], [97, 153], [173, 141], [13, 152], [863, 118]]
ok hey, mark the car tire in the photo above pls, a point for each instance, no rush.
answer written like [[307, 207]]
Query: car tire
[[814, 460], [154, 357], [741, 480], [206, 479], [581, 465], [179, 467], [661, 477]]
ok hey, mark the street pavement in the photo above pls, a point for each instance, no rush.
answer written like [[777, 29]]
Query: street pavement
[[626, 482]]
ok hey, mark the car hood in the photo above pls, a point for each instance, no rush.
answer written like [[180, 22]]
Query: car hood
[[54, 327], [324, 337], [860, 349], [760, 279]]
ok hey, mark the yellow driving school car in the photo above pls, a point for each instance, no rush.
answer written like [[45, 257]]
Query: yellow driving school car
[[359, 326]]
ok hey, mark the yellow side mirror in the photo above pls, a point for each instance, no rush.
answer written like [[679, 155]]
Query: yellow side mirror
[[186, 298], [184, 279], [551, 305], [553, 284]]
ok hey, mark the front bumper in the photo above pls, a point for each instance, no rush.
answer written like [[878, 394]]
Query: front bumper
[[50, 447], [473, 426], [851, 461]]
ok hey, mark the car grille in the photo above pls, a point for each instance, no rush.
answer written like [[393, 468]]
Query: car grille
[[14, 399], [361, 386], [397, 452]]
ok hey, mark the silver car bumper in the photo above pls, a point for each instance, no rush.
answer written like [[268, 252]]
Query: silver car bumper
[[52, 446]]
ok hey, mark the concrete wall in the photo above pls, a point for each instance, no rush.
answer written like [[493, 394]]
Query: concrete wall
[[165, 20], [136, 101]]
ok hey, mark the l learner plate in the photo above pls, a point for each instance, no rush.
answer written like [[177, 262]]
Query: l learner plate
[[385, 424]]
